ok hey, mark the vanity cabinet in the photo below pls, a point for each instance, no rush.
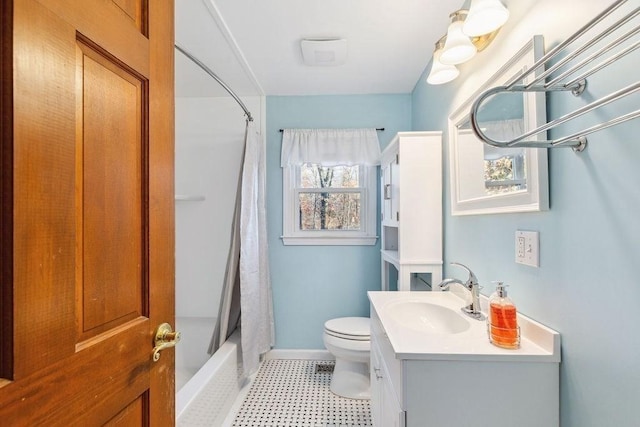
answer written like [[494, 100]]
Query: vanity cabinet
[[493, 387], [411, 204]]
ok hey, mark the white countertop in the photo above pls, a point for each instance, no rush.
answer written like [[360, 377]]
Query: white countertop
[[537, 344]]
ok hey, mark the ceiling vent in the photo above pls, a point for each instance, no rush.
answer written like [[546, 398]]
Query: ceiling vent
[[324, 52]]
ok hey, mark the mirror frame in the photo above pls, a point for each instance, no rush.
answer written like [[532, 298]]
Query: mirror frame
[[536, 196]]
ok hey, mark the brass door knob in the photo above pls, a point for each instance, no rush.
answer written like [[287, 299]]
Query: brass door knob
[[165, 337]]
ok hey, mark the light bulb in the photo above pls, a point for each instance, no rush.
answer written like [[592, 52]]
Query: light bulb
[[441, 73], [484, 17], [458, 48]]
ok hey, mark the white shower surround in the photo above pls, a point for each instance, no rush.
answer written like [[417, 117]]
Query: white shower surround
[[209, 143]]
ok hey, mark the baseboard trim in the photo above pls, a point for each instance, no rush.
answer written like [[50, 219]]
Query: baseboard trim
[[294, 354]]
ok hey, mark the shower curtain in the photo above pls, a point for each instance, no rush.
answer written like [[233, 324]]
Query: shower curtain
[[256, 320], [247, 277]]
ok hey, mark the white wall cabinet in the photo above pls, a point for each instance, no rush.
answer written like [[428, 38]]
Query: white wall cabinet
[[411, 194]]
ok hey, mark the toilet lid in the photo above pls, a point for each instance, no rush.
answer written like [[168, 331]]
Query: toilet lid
[[349, 327]]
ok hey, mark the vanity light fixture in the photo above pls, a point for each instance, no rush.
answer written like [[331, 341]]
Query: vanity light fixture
[[484, 17], [458, 47], [470, 31], [441, 73]]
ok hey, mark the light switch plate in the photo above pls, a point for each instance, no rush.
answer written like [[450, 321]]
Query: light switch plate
[[528, 248]]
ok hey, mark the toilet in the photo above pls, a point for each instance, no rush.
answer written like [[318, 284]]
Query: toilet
[[349, 340]]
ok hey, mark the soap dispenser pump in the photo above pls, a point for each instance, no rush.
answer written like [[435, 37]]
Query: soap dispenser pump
[[503, 319]]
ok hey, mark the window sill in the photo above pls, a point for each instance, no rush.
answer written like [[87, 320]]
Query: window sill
[[328, 241]]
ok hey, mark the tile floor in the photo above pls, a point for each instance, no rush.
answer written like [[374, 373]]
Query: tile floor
[[288, 393]]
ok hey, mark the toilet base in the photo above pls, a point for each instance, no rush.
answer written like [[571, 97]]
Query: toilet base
[[351, 380]]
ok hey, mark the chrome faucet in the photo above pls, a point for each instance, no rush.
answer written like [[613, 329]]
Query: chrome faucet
[[473, 309]]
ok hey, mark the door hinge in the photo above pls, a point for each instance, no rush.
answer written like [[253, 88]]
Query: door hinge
[[397, 216], [398, 159]]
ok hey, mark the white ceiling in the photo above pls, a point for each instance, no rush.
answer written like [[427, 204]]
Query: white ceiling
[[254, 45]]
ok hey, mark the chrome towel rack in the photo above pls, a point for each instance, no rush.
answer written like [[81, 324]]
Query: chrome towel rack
[[573, 79]]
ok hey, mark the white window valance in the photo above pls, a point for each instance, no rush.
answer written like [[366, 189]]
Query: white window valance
[[330, 147]]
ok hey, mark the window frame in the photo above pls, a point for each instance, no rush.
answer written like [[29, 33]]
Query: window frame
[[293, 235]]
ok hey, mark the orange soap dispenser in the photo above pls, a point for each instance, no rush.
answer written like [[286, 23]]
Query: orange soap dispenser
[[503, 319]]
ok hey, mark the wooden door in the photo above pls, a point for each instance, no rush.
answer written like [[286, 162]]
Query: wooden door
[[87, 212]]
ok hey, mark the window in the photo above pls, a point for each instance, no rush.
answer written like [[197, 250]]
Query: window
[[328, 203], [505, 174]]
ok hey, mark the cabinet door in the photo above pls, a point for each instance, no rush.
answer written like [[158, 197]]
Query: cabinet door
[[376, 387], [385, 409], [392, 414], [385, 193], [395, 189], [390, 192]]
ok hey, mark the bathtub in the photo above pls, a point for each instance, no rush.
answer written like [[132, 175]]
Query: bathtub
[[208, 395], [191, 352]]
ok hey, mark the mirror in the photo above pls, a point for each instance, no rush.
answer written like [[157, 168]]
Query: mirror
[[487, 179]]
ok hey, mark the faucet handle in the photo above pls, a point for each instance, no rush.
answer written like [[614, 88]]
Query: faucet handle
[[472, 280]]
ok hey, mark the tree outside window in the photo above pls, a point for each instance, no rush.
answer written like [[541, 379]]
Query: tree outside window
[[327, 200]]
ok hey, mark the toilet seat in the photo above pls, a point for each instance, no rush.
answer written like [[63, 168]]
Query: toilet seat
[[349, 328]]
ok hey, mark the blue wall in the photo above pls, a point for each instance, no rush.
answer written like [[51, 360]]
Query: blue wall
[[587, 286], [312, 284]]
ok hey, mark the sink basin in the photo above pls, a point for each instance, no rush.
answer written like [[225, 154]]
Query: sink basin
[[426, 317]]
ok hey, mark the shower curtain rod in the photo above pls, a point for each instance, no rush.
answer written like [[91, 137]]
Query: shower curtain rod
[[378, 129], [216, 78]]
